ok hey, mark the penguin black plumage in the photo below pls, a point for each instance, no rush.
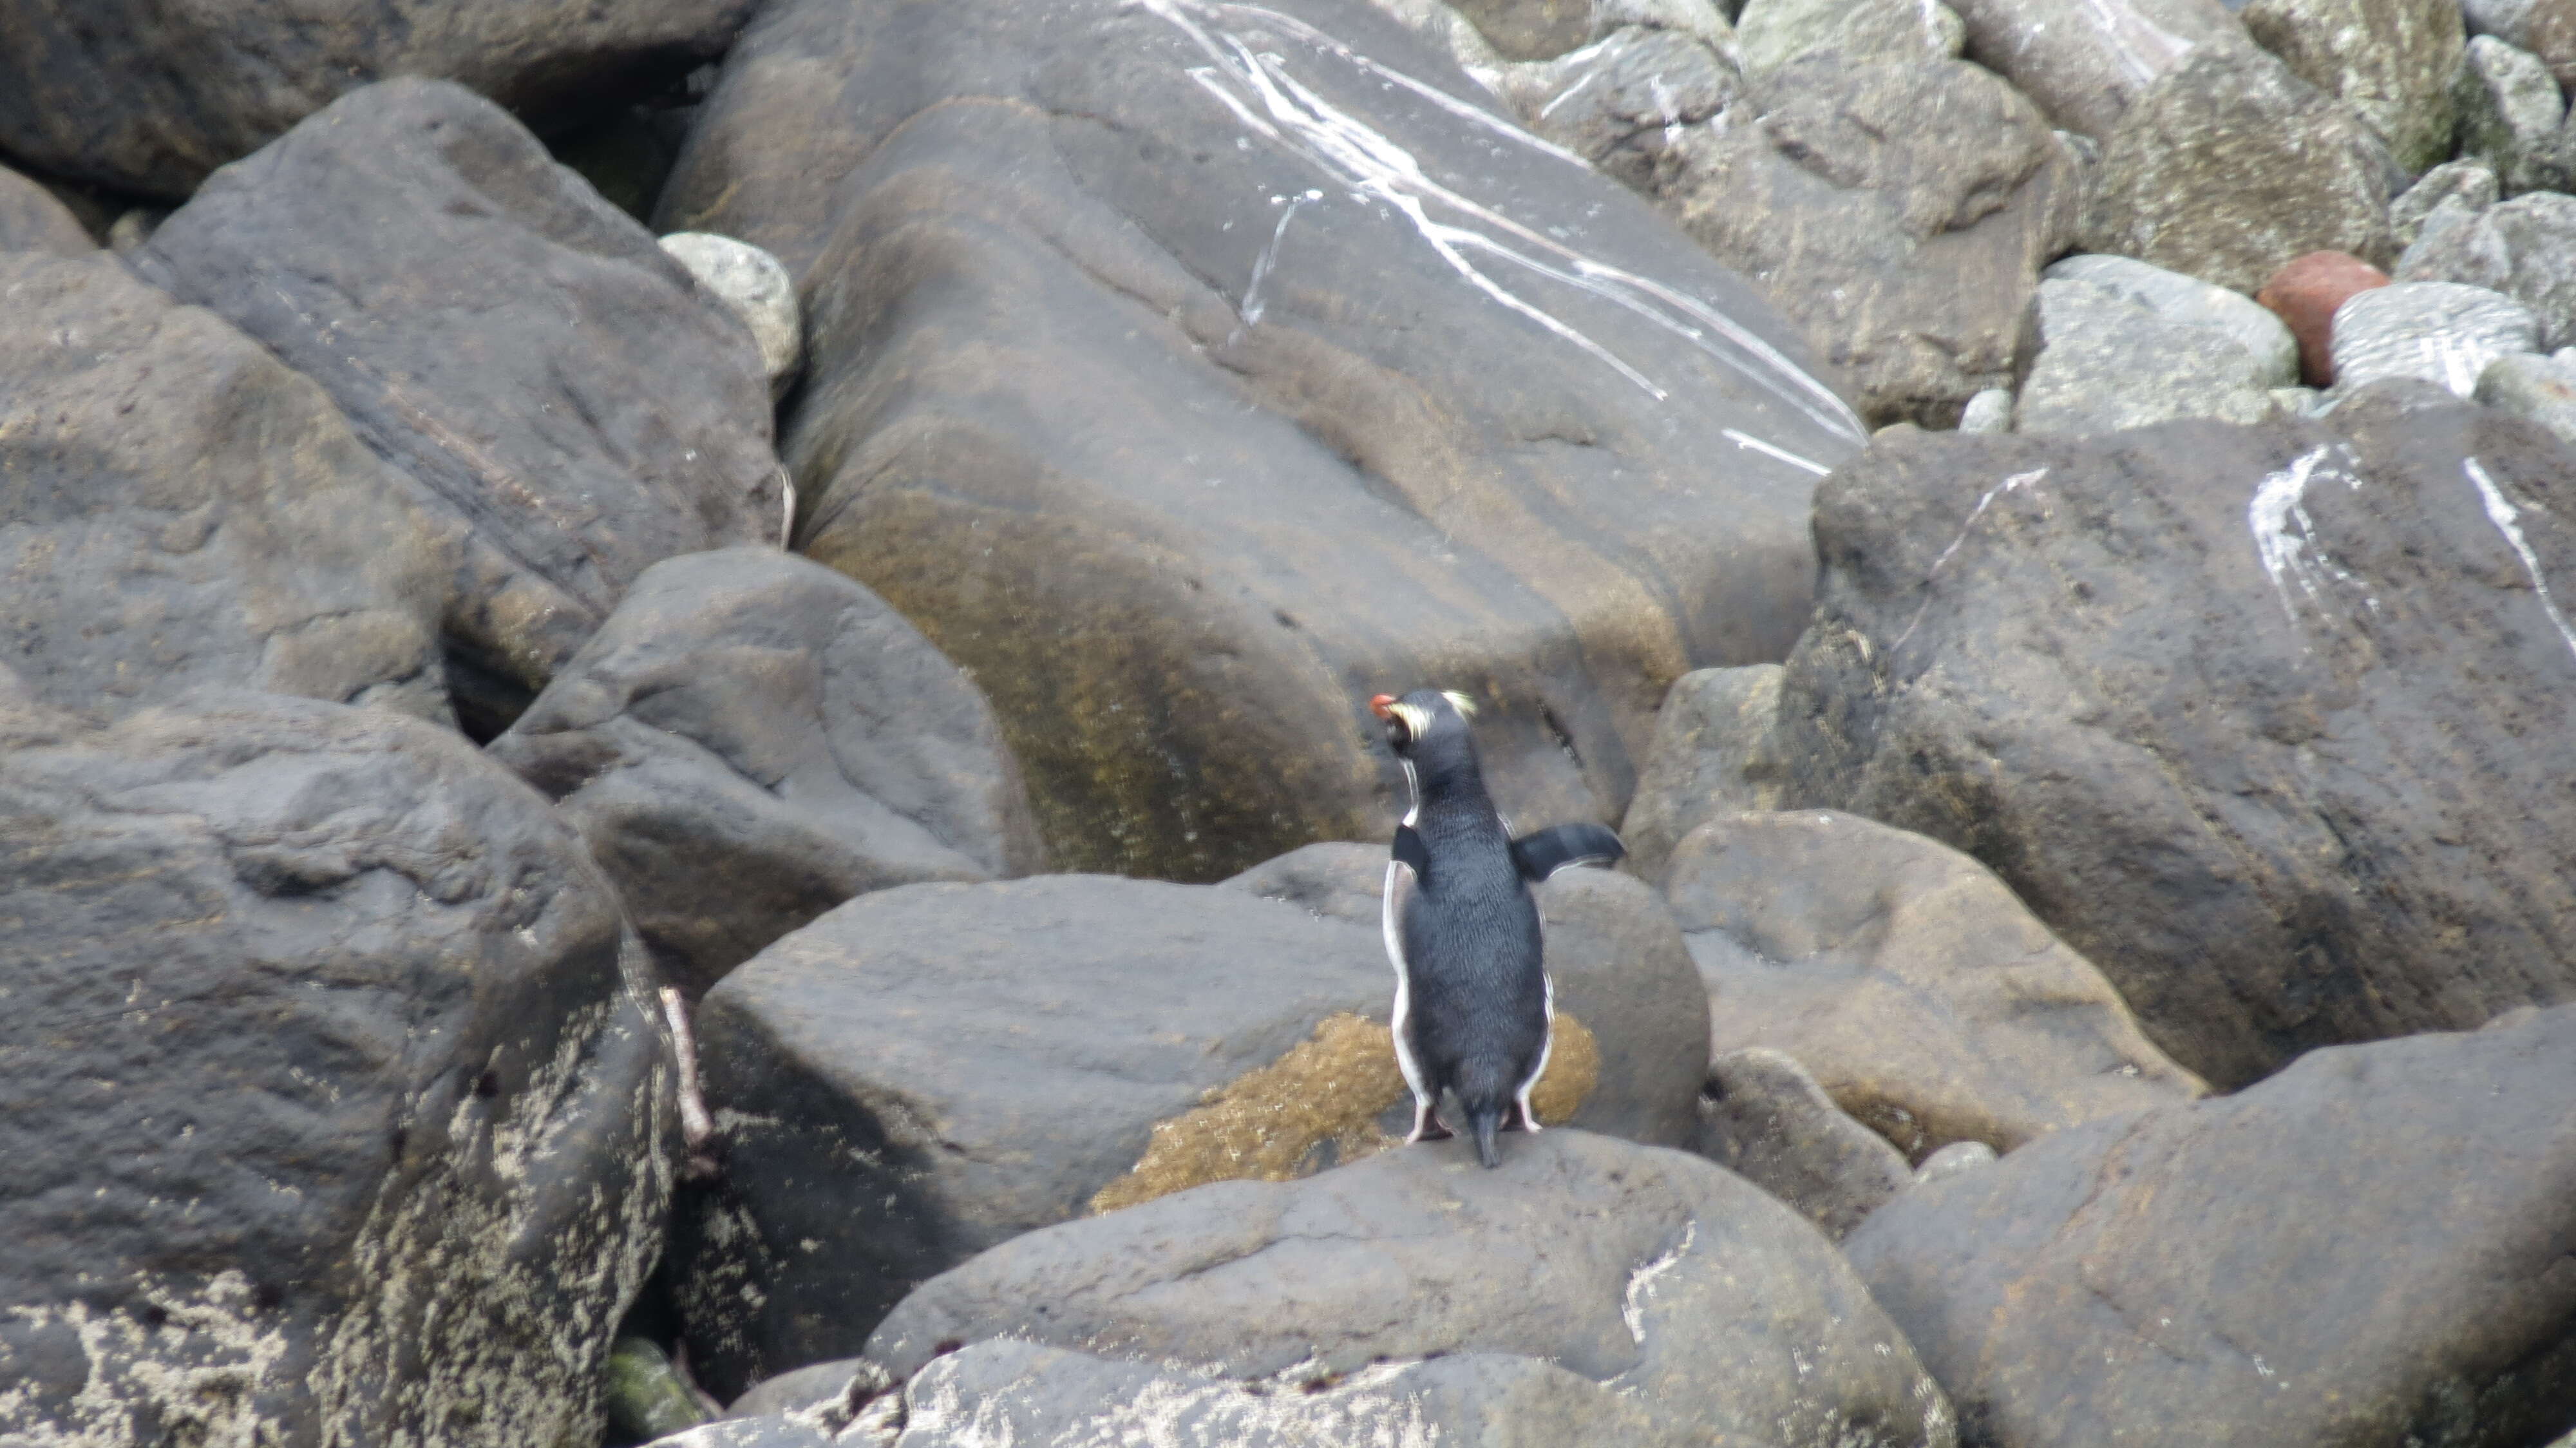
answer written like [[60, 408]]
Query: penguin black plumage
[[1475, 1012]]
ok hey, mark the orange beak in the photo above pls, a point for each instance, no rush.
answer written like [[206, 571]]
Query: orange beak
[[1379, 704]]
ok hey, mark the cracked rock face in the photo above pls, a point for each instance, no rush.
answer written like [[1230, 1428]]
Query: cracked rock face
[[1606, 1283], [2164, 1276], [928, 1071], [2249, 716], [334, 1112], [1150, 376], [551, 383]]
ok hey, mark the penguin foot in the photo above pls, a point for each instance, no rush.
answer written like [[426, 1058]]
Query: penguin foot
[[1427, 1125], [1522, 1118]]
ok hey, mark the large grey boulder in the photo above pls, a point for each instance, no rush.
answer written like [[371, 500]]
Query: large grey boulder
[[2174, 297], [1183, 474], [1711, 756], [1652, 1275], [522, 351], [2100, 363], [1775, 32], [150, 97], [2229, 166], [1900, 212], [751, 739], [2162, 1277], [1767, 1119], [2085, 62], [2244, 714], [2391, 60], [2511, 112], [2524, 248], [928, 1071], [1905, 977], [177, 509], [336, 1108], [2444, 333]]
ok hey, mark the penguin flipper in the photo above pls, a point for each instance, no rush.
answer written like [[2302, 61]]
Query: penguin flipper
[[1411, 853], [1542, 853]]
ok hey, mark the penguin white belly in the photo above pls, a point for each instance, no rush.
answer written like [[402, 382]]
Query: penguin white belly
[[1399, 890], [1546, 1044]]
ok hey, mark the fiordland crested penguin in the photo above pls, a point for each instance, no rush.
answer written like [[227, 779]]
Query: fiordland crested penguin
[[1475, 1013]]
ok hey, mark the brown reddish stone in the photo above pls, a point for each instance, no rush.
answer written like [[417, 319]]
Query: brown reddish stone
[[2305, 294]]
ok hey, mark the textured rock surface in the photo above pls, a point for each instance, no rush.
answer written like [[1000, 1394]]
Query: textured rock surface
[[1775, 32], [1988, 411], [2307, 293], [2229, 166], [928, 1071], [2438, 332], [2100, 362], [32, 220], [150, 97], [2542, 389], [2154, 1278], [2174, 297], [2460, 189], [1652, 1274], [752, 739], [1711, 756], [2524, 248], [1908, 980], [754, 287], [516, 346], [1763, 1117], [2087, 61], [177, 509], [334, 1111], [2249, 716], [1623, 102], [1181, 524], [2510, 110], [2391, 60], [1899, 212]]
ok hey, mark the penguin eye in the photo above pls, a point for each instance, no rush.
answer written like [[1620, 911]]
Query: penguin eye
[[1398, 735]]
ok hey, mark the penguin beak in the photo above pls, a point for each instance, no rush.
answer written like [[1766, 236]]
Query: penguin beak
[[1383, 706]]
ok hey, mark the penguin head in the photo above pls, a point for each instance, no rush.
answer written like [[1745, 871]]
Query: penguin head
[[1428, 726]]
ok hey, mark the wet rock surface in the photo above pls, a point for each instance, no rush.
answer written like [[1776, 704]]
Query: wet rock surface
[[1395, 456], [337, 1110], [394, 248], [2263, 794], [1627, 1251], [2064, 1295]]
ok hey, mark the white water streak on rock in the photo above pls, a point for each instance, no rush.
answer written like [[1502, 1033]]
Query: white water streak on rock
[[1783, 454], [1250, 311], [2013, 484], [2502, 513], [2143, 48], [1641, 1283], [2285, 536], [1262, 93]]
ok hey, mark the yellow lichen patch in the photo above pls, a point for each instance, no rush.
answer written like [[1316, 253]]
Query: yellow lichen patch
[[1271, 1124]]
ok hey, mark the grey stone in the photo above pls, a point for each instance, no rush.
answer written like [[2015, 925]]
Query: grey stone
[[2542, 389], [2468, 181], [177, 509], [2296, 401], [31, 219], [2178, 298], [772, 1430], [2229, 166], [1620, 102], [148, 98], [931, 1070], [1764, 1118], [2085, 62], [2391, 60], [799, 1389], [1775, 32], [1900, 212], [2153, 1278], [2545, 28], [755, 288], [332, 1071], [2102, 363], [1928, 1002], [751, 739], [2244, 714], [1164, 514], [1629, 1266], [2524, 248], [2439, 332], [1710, 757], [2510, 113], [1951, 1160], [1988, 411], [1529, 29], [545, 376]]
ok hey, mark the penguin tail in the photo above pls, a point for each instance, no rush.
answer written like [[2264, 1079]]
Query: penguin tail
[[1486, 1120]]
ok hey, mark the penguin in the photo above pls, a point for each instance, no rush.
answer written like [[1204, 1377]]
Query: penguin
[[1475, 1012]]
